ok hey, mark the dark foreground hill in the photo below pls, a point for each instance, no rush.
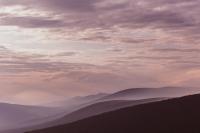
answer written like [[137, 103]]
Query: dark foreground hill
[[89, 111], [96, 109], [180, 115]]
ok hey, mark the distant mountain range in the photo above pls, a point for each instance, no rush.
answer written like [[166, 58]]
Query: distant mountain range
[[145, 93], [76, 101], [179, 115], [19, 118], [12, 115], [95, 109]]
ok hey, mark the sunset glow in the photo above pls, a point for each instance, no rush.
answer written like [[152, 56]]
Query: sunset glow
[[56, 49]]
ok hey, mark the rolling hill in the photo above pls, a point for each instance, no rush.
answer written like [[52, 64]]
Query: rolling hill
[[83, 107], [76, 101], [96, 109], [13, 115], [88, 111], [145, 93], [179, 115]]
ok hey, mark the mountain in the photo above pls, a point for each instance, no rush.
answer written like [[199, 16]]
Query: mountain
[[76, 101], [80, 107], [179, 115], [145, 93], [96, 109], [15, 118], [127, 94], [13, 115], [99, 108], [91, 110]]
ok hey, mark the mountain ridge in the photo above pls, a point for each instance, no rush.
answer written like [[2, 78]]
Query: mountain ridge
[[178, 115]]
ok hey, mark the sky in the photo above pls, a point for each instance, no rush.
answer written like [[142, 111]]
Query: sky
[[56, 49]]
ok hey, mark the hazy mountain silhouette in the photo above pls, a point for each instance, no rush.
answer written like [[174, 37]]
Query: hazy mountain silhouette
[[145, 93], [76, 101], [99, 108], [91, 110], [179, 115], [15, 116], [12, 115], [95, 109], [86, 106]]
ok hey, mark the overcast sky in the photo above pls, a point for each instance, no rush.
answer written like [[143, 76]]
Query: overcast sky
[[54, 49]]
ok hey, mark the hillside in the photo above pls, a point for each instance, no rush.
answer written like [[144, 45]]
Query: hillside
[[145, 93], [96, 109], [180, 115], [13, 115]]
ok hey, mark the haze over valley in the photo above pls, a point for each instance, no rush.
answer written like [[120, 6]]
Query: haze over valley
[[73, 66]]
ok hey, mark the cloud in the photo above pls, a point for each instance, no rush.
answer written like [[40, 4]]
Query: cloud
[[66, 54], [97, 43], [19, 62], [123, 21], [90, 14], [74, 5], [154, 57], [188, 50], [31, 22]]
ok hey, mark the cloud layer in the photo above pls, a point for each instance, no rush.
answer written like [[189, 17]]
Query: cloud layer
[[92, 46]]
